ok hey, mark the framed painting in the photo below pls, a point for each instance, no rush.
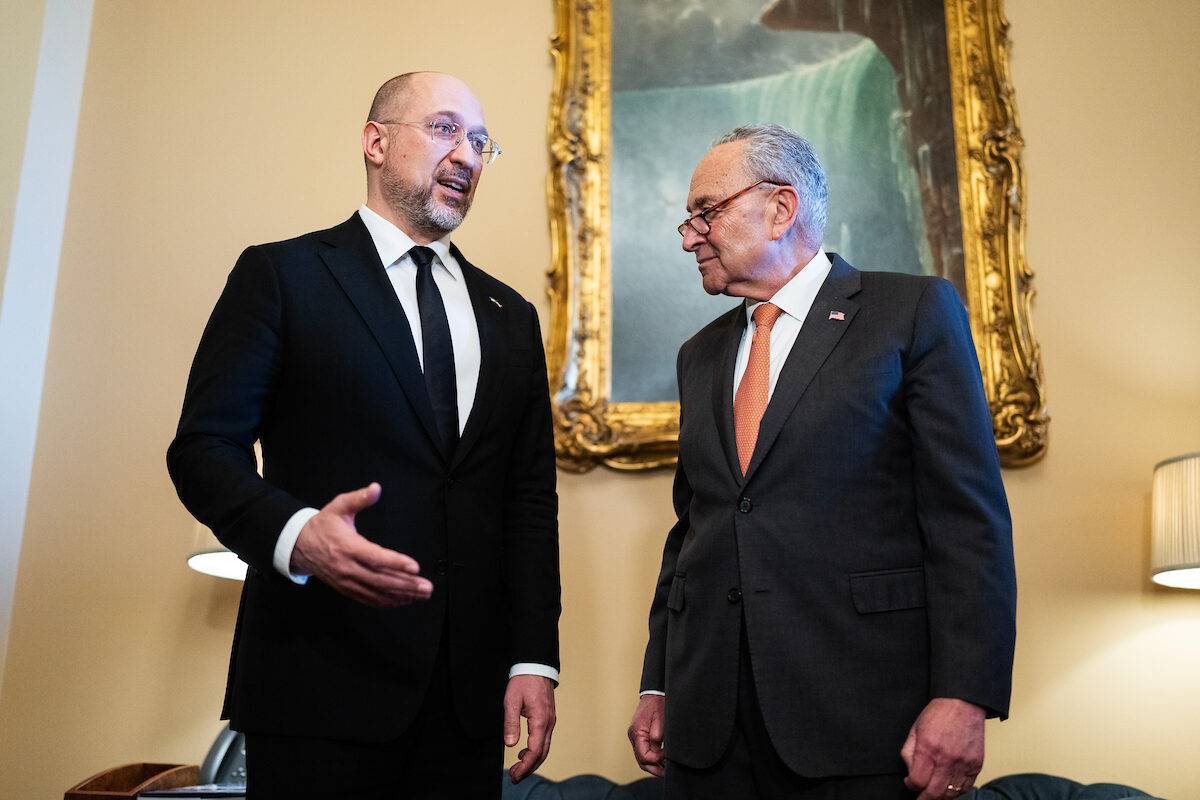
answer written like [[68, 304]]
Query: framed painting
[[910, 108]]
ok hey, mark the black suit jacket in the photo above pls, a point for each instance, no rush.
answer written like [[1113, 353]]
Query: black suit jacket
[[867, 550], [309, 351]]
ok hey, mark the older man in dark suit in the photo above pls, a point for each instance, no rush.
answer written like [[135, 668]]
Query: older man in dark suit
[[400, 612], [834, 617]]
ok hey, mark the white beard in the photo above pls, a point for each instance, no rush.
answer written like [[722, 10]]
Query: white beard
[[416, 204]]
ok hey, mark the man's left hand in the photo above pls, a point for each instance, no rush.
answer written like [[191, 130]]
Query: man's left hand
[[532, 697], [944, 749]]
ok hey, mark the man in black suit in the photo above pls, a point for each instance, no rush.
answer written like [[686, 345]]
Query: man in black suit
[[400, 612], [835, 612]]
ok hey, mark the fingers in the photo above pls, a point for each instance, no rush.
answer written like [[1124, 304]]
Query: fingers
[[331, 548], [646, 734], [649, 756], [379, 589], [530, 696], [350, 503], [512, 717], [647, 752], [944, 750]]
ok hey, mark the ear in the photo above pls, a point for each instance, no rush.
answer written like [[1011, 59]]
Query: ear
[[782, 211], [374, 142]]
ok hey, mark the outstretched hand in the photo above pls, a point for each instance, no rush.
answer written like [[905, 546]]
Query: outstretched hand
[[330, 548]]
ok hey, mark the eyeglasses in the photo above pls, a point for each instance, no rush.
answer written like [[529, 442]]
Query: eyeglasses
[[451, 134], [700, 222]]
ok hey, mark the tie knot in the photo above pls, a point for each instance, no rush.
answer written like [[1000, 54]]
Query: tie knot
[[421, 256], [766, 314]]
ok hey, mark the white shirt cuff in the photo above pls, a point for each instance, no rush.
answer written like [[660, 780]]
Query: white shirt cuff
[[525, 668], [287, 542], [652, 691]]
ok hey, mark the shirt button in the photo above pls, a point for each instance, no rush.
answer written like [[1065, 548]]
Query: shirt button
[[744, 505], [735, 595]]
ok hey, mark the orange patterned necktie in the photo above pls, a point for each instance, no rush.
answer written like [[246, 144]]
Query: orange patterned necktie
[[750, 401]]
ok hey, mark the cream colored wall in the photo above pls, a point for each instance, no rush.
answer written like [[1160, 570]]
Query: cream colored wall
[[207, 126], [1106, 666]]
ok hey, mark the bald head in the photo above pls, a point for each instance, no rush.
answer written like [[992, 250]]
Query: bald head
[[392, 96]]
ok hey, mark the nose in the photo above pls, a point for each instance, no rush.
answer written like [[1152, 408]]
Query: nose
[[464, 154], [691, 239]]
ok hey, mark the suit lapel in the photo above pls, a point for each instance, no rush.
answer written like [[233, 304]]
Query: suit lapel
[[828, 320], [354, 263], [722, 387], [493, 343]]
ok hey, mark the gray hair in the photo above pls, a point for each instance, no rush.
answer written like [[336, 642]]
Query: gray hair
[[775, 153]]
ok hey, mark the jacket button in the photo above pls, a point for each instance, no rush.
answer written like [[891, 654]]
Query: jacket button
[[735, 595], [451, 483], [442, 566], [744, 505]]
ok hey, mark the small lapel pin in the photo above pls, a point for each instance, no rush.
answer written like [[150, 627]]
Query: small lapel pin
[[497, 302], [840, 316]]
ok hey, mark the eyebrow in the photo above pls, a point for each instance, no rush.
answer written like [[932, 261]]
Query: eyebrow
[[456, 118], [702, 202]]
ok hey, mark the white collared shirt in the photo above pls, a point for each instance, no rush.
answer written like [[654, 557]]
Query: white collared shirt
[[393, 245], [795, 300]]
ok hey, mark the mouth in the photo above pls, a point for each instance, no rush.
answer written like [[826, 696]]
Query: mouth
[[457, 185]]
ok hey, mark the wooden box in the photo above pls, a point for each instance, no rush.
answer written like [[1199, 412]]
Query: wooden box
[[130, 779]]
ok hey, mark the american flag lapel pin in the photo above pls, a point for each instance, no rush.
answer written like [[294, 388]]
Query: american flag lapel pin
[[840, 316]]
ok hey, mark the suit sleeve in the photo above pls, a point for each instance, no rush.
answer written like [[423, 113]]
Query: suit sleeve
[[232, 381], [531, 523], [962, 510]]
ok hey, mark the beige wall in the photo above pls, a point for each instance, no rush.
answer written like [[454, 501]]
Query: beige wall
[[207, 126]]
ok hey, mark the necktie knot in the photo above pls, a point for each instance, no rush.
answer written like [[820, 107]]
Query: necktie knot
[[766, 314], [422, 257]]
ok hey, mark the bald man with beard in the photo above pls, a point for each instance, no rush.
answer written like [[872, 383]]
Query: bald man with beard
[[400, 610]]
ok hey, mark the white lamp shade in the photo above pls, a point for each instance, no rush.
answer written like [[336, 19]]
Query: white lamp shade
[[211, 557], [1175, 523]]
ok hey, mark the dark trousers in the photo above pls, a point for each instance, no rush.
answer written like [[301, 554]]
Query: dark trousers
[[433, 760], [750, 769]]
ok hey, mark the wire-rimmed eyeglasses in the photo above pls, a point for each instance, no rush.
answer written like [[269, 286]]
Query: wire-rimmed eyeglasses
[[700, 223], [451, 134]]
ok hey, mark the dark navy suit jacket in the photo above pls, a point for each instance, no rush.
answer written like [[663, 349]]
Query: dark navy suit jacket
[[867, 550]]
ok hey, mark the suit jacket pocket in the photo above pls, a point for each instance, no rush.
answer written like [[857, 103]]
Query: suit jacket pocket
[[675, 597], [888, 590]]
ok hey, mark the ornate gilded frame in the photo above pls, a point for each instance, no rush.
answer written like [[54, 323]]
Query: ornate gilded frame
[[590, 430]]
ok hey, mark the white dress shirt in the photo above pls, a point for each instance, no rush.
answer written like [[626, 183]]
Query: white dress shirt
[[794, 300]]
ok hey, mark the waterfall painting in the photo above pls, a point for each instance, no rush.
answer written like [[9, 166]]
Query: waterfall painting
[[909, 107]]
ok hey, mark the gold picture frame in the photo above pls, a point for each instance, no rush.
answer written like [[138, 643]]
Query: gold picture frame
[[591, 430]]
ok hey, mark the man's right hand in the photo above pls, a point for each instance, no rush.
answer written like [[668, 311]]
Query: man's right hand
[[646, 734], [331, 549]]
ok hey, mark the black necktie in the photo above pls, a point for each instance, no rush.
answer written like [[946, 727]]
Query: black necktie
[[437, 349]]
